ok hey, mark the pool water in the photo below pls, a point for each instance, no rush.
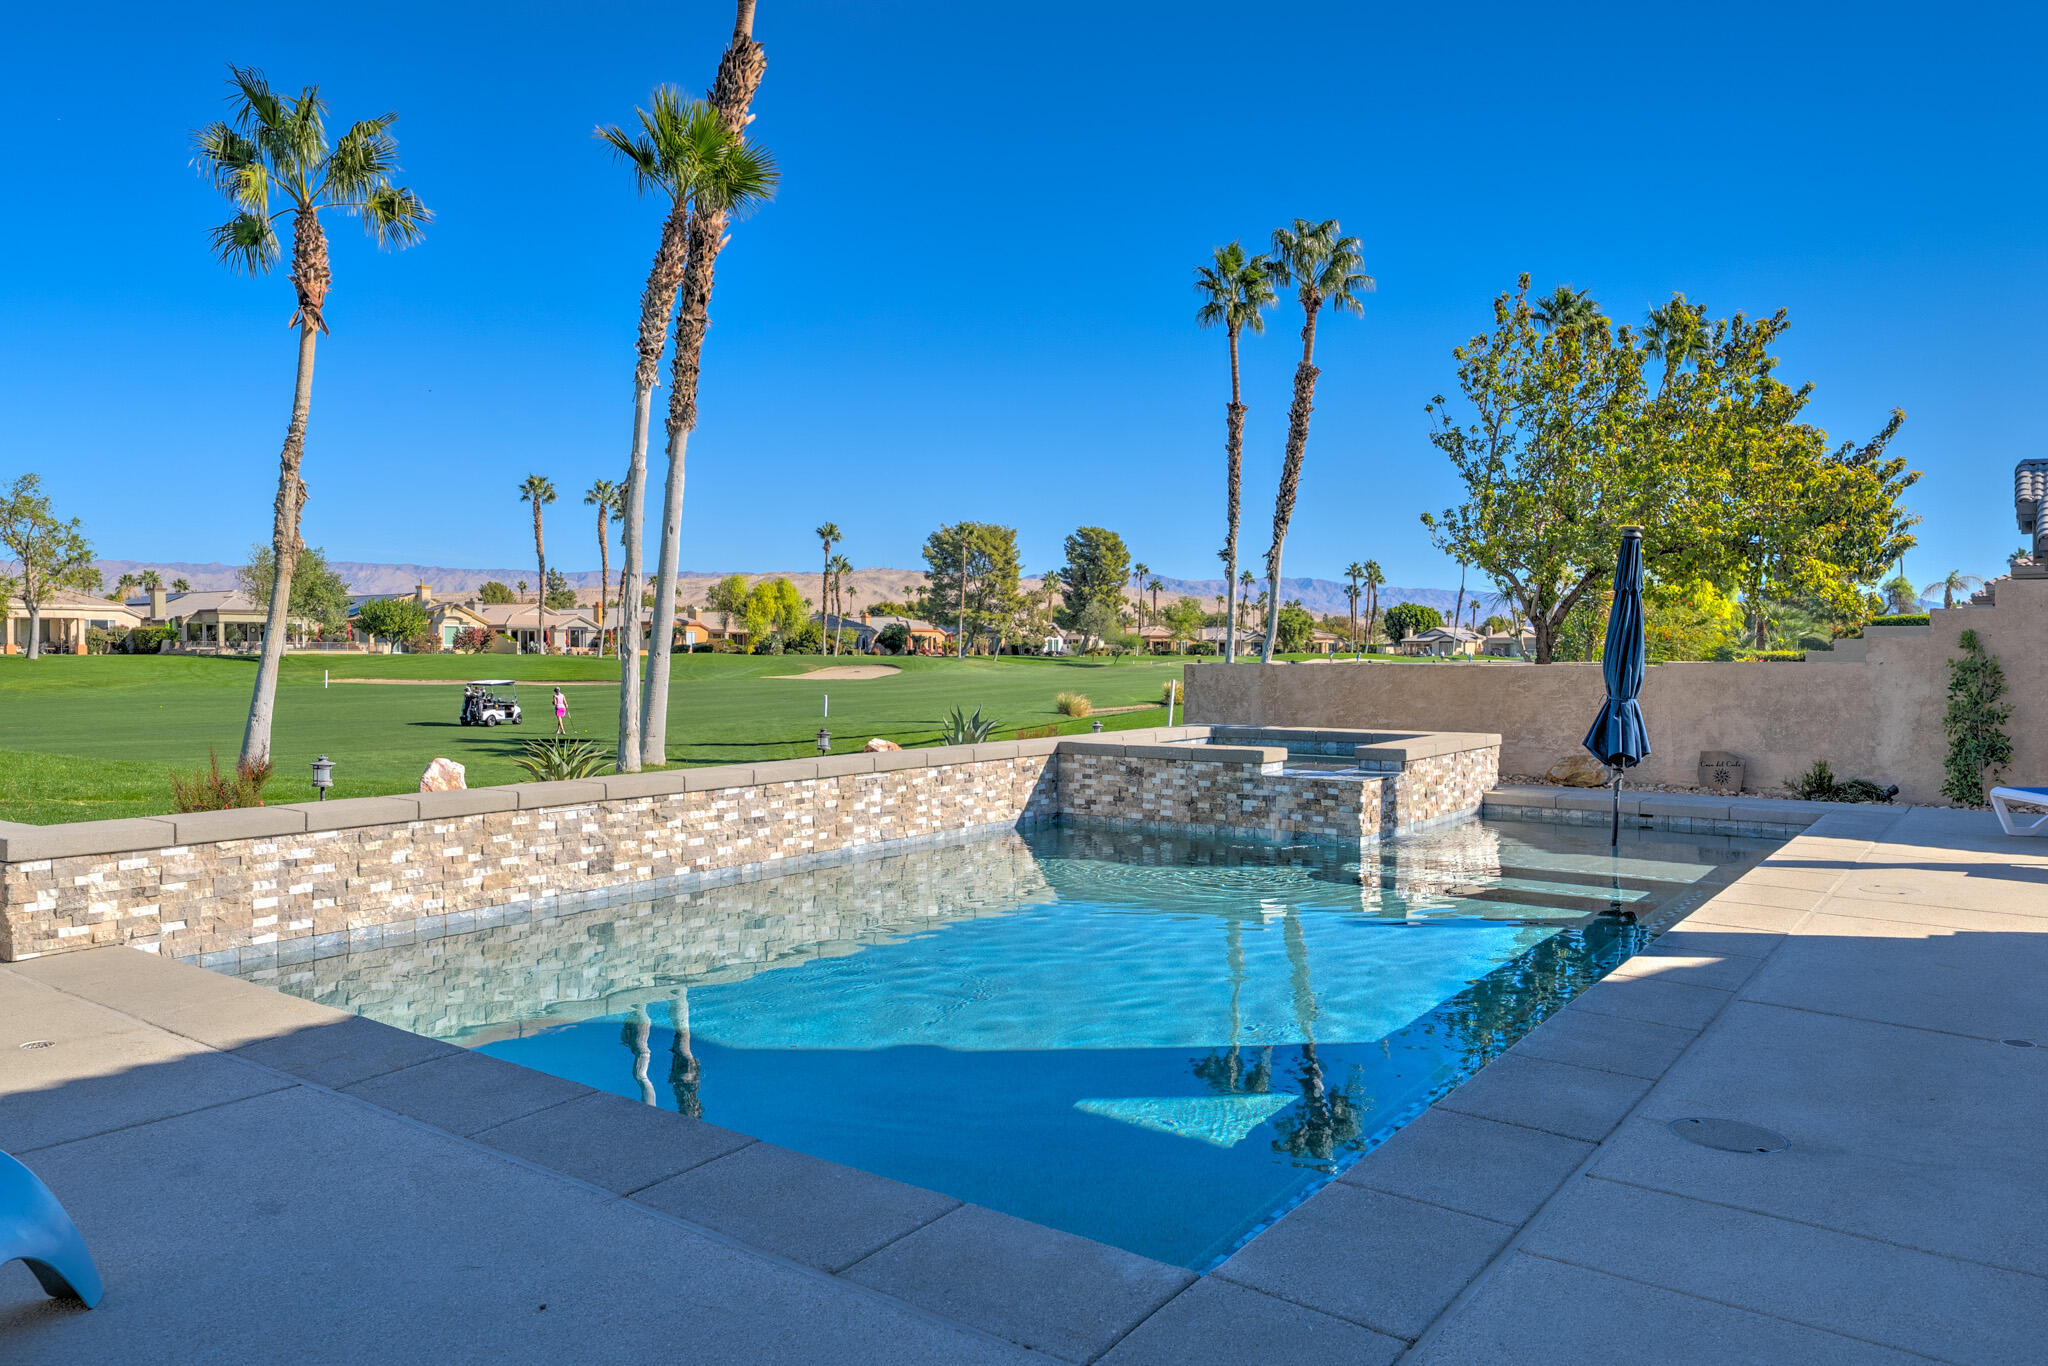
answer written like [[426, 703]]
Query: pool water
[[1158, 1041]]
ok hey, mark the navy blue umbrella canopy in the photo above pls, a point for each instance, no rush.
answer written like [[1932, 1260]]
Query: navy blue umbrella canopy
[[1618, 738]]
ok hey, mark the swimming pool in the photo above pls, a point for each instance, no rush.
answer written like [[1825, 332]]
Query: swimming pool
[[1158, 1041]]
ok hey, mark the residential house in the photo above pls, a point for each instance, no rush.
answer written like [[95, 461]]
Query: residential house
[[1443, 642], [218, 620], [66, 617], [1505, 646]]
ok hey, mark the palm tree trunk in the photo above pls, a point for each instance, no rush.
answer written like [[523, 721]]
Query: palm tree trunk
[[1233, 452], [825, 597], [739, 76], [284, 531], [604, 573], [1290, 475], [540, 598]]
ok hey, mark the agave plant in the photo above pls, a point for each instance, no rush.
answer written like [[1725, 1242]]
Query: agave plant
[[553, 758], [961, 729]]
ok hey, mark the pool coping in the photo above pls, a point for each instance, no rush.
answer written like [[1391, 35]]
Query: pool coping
[[1387, 1198]]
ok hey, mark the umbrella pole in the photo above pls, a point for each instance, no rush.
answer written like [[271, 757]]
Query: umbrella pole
[[1614, 837]]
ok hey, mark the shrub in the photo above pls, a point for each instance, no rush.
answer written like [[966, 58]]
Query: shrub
[[1978, 747], [208, 789], [1203, 647], [894, 638], [1073, 704], [553, 758], [1044, 732], [1174, 693], [1769, 656], [1819, 784], [147, 640], [475, 640], [425, 643], [961, 729], [806, 639], [1903, 619]]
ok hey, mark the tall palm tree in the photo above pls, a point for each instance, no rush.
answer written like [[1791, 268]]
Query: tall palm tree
[[827, 533], [150, 581], [734, 177], [1236, 291], [1325, 268], [604, 496], [1153, 586], [1356, 573], [1566, 309], [678, 141], [837, 568], [1955, 582], [1374, 580], [1138, 573], [274, 145], [539, 490], [181, 585], [123, 586], [1244, 593], [1050, 583]]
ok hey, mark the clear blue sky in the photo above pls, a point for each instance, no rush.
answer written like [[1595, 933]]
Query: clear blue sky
[[972, 297]]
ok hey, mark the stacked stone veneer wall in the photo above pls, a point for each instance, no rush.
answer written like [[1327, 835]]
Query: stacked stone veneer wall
[[313, 880]]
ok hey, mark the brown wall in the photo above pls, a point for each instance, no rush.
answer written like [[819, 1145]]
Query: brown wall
[[1878, 717]]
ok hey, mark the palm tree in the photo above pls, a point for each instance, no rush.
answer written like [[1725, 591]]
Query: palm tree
[[181, 585], [1138, 573], [1676, 333], [1374, 580], [1236, 291], [604, 496], [1050, 582], [1324, 268], [123, 586], [277, 145], [827, 533], [1566, 310], [539, 490], [733, 176], [151, 581], [1244, 592], [1354, 572], [1153, 588], [1955, 582], [836, 570]]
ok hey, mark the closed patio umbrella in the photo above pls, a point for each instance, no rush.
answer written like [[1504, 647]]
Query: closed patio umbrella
[[1617, 738]]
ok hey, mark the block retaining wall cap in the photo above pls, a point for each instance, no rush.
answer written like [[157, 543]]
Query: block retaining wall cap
[[839, 765], [26, 843], [244, 823], [468, 801], [625, 786], [576, 792], [354, 812], [717, 778], [785, 771]]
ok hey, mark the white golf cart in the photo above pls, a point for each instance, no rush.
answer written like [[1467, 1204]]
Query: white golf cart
[[483, 704]]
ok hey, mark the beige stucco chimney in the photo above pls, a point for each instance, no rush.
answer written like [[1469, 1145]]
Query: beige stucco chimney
[[424, 594], [156, 604]]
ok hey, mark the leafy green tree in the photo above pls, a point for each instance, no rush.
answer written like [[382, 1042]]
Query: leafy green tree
[[1101, 622], [391, 618], [560, 597], [1411, 619], [495, 594], [733, 177], [275, 147], [607, 498], [1184, 618], [1324, 268], [728, 598], [1978, 746], [1236, 292], [1297, 627], [48, 554], [1689, 620], [1097, 565], [318, 593], [971, 579], [540, 491], [774, 611]]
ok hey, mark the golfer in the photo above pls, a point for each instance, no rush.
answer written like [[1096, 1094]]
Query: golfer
[[561, 711]]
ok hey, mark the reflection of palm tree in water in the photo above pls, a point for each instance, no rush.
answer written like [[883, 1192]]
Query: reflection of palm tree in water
[[684, 1071], [633, 1034], [1226, 1072], [1326, 1121]]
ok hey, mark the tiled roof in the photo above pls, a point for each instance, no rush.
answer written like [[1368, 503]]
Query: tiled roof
[[2030, 492]]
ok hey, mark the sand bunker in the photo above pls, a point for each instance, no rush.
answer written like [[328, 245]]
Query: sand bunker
[[847, 671]]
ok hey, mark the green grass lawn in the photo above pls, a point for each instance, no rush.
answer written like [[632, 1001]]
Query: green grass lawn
[[92, 737]]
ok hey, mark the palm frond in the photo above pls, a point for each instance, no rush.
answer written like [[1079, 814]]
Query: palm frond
[[247, 243], [740, 179], [233, 164], [394, 216], [363, 161], [637, 153]]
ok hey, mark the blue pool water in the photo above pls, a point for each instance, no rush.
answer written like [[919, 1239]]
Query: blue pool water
[[1159, 1042]]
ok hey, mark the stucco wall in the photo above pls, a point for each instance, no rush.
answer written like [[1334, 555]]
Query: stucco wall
[[1877, 717]]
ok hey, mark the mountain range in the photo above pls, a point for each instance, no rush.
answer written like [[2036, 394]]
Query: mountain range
[[862, 585]]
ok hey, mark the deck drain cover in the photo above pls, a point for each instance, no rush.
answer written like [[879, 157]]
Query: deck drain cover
[[40, 1043], [1729, 1135], [2017, 1043]]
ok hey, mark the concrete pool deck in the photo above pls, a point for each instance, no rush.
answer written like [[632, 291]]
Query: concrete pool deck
[[263, 1178]]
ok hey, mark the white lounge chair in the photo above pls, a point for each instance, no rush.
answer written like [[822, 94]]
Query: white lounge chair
[[2028, 796]]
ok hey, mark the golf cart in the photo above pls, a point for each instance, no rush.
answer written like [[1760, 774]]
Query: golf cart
[[484, 705]]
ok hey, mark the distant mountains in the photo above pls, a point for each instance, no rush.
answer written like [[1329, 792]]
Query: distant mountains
[[862, 586]]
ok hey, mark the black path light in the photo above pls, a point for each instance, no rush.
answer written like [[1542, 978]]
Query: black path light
[[824, 742], [323, 775]]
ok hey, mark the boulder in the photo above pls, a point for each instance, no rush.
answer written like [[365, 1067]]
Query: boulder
[[443, 775], [1578, 770], [878, 744]]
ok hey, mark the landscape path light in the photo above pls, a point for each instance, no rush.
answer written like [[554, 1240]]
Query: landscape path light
[[323, 775], [824, 742]]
